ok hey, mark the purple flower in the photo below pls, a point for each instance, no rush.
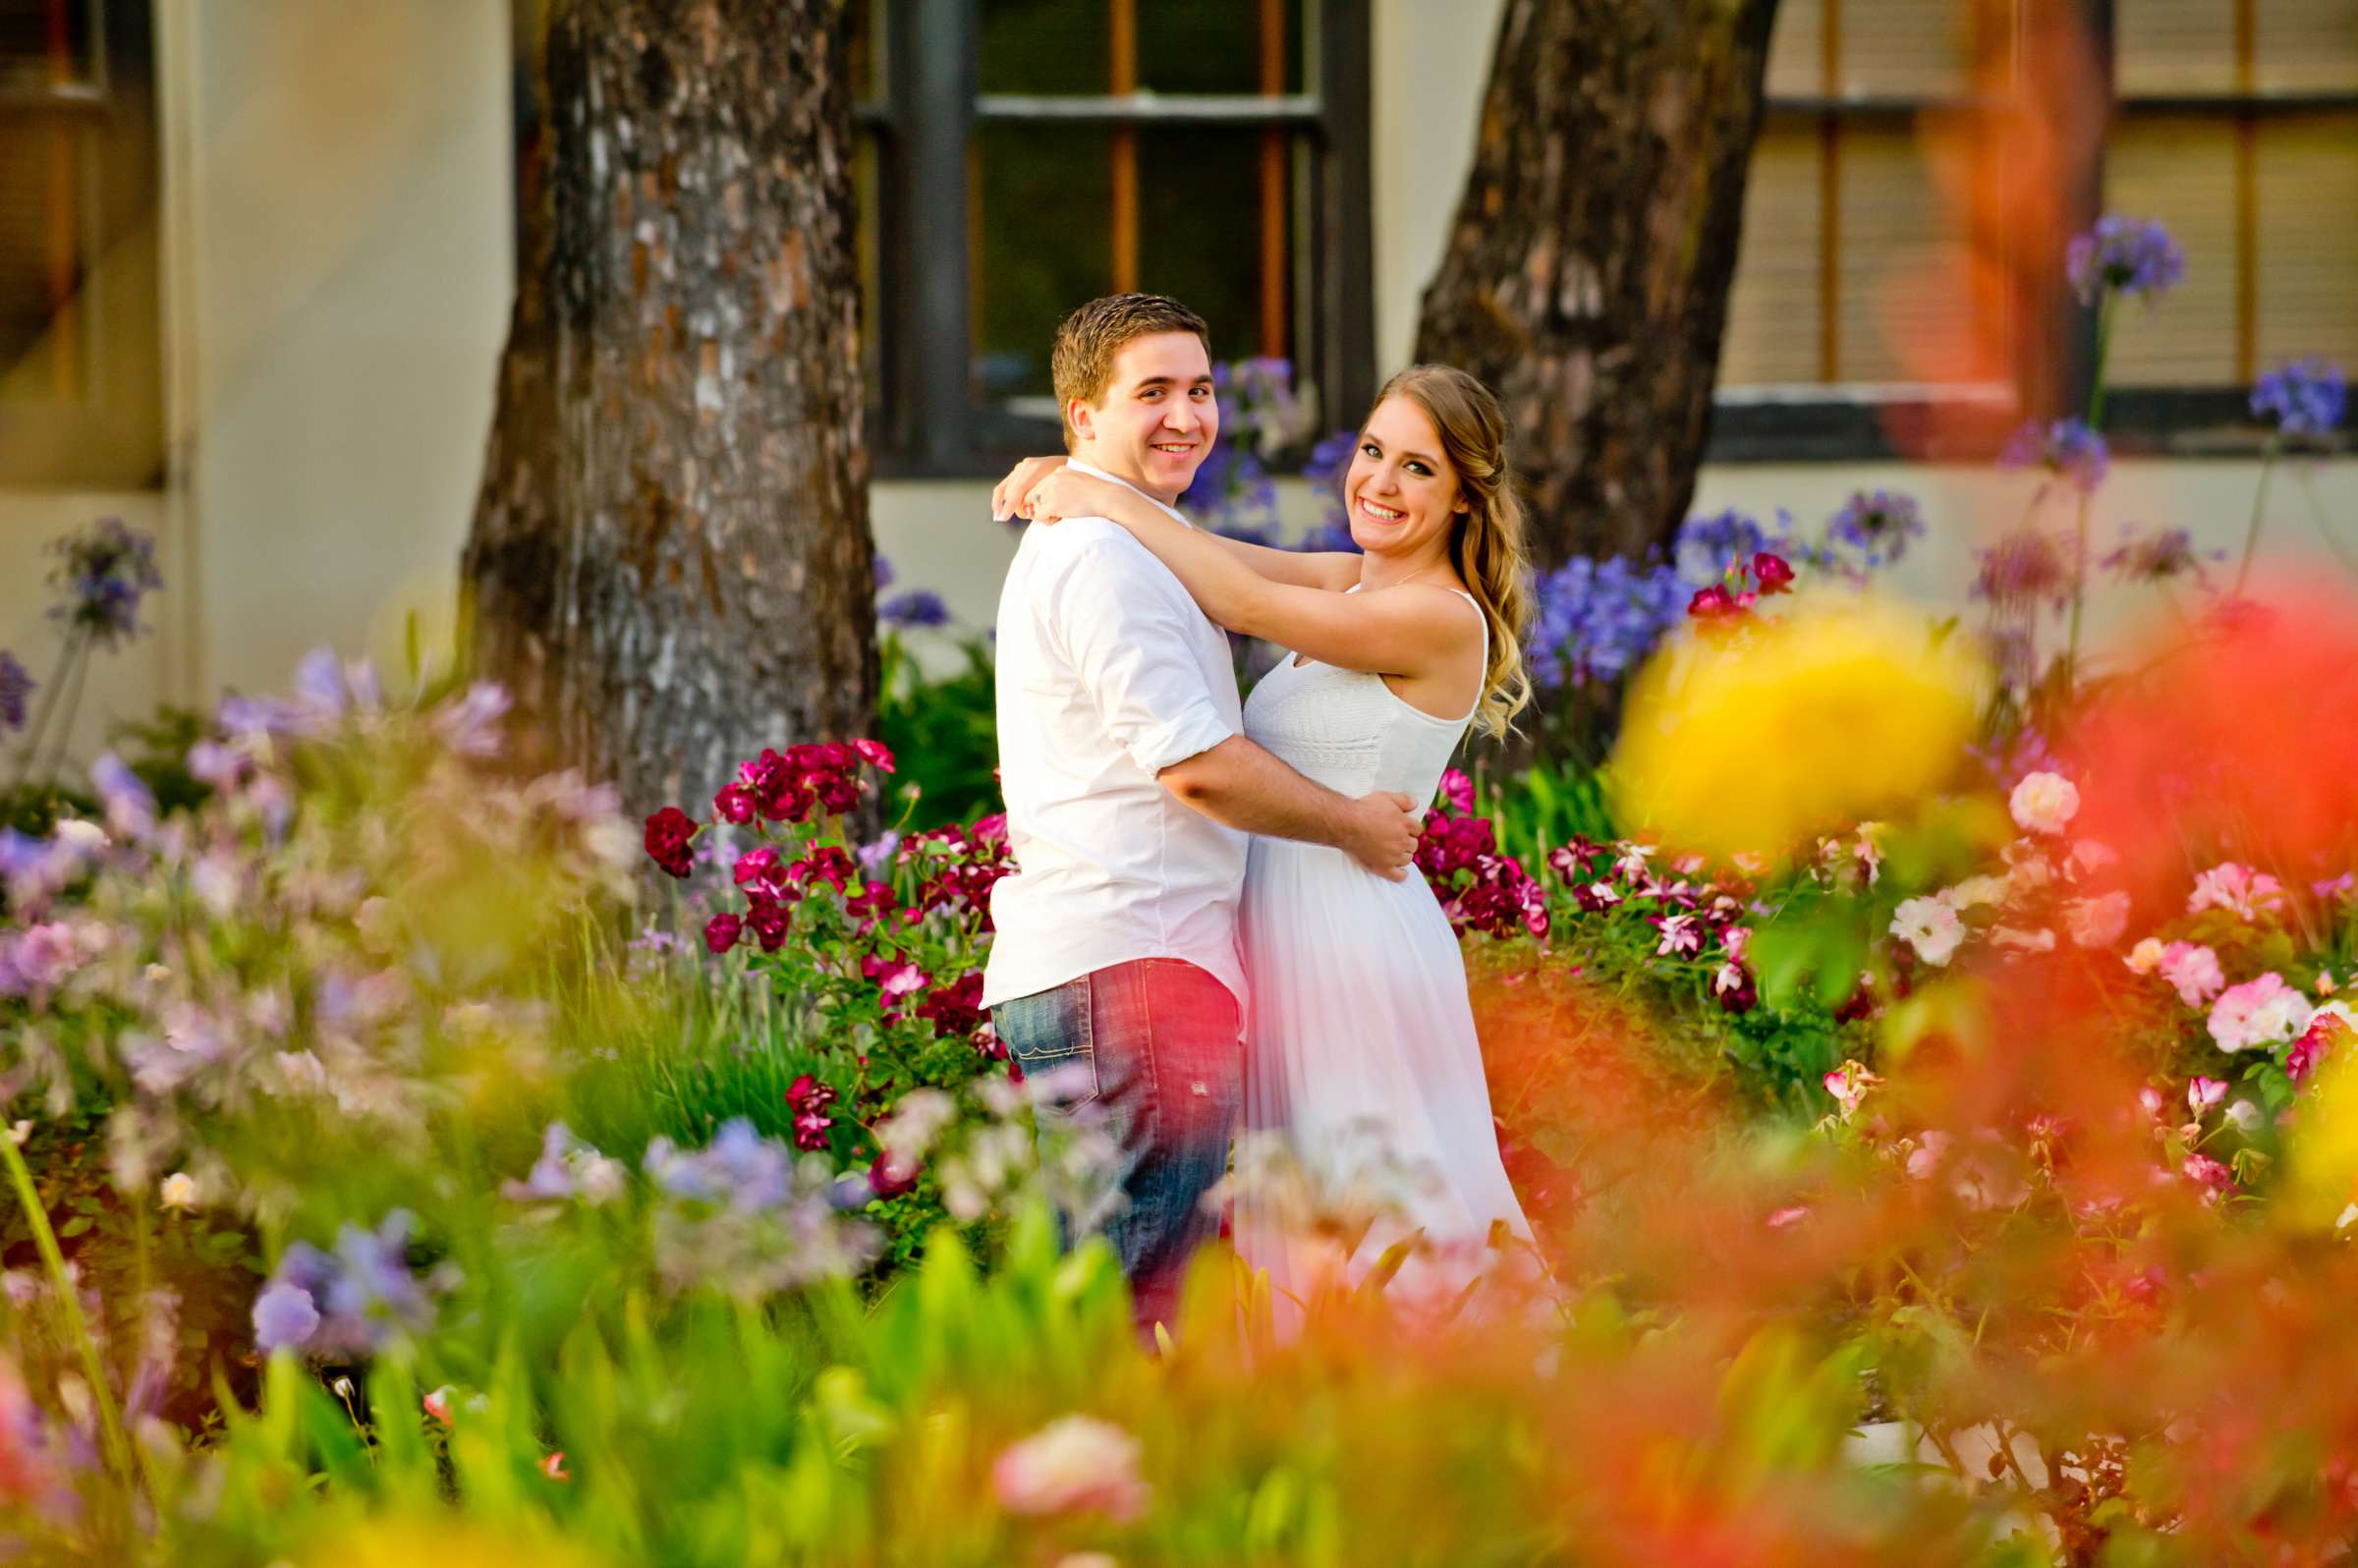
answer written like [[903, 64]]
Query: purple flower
[[2155, 557], [2067, 447], [739, 1169], [15, 685], [130, 804], [469, 726], [1878, 526], [2128, 255], [102, 573], [1325, 470], [284, 1317], [883, 573], [2305, 398], [875, 856], [917, 607], [2020, 570], [1708, 547], [1599, 619]]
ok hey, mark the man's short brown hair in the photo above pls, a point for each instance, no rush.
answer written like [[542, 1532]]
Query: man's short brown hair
[[1087, 341]]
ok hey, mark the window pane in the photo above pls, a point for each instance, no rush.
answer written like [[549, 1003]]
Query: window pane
[[2305, 45], [44, 203], [2307, 203], [1216, 45], [1046, 228], [1902, 47], [46, 43], [2164, 46], [1036, 46], [1773, 312], [1041, 203], [1901, 301], [2182, 171], [1797, 50]]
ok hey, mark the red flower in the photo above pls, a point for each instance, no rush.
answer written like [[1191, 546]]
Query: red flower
[[770, 921], [1771, 574], [827, 863], [809, 1098], [875, 752], [888, 1178], [759, 865], [722, 931], [1458, 790], [1715, 603], [955, 1009], [734, 804], [669, 832]]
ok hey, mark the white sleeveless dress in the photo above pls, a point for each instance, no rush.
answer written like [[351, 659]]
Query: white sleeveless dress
[[1361, 1057]]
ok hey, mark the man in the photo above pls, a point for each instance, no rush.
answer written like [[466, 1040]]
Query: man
[[1130, 795]]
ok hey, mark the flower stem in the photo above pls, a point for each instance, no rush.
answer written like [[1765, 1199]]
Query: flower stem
[[2079, 593], [65, 724], [2251, 534], [36, 1220], [2104, 352], [74, 642]]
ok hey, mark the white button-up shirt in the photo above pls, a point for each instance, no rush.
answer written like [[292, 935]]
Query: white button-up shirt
[[1107, 674]]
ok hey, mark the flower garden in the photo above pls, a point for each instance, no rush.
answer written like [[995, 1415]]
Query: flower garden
[[1919, 1045]]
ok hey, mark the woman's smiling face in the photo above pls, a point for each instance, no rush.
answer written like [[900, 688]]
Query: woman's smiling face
[[1400, 491]]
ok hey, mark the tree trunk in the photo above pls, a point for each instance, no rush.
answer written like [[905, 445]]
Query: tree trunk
[[1586, 273], [670, 564]]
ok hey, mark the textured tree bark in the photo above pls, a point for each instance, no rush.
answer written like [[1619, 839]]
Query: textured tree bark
[[1587, 271], [670, 564]]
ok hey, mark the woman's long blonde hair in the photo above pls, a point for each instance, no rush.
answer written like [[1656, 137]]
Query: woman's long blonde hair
[[1488, 546]]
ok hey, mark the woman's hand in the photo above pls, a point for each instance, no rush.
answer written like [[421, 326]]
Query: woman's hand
[[1007, 501], [1062, 492]]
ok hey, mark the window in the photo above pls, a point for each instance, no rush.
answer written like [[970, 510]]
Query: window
[[1019, 157], [1903, 252], [80, 383]]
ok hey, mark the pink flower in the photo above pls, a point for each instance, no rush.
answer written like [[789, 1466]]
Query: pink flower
[[437, 1404], [2208, 1173], [1849, 1084], [1771, 573], [734, 804], [875, 753], [2194, 970], [2096, 922], [553, 1467], [1788, 1216], [809, 1099], [1458, 790], [2259, 1012], [2204, 1094], [2237, 889], [1680, 936], [1715, 603], [1076, 1463]]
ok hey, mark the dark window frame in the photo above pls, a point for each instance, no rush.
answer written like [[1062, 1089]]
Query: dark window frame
[[2176, 421], [930, 425]]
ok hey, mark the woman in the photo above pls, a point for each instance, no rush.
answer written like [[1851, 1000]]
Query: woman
[[1359, 1030]]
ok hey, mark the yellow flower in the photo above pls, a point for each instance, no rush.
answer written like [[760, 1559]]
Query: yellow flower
[[439, 1540], [1749, 739], [2322, 1155]]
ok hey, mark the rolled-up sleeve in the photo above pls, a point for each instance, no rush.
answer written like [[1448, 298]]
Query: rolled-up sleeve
[[1126, 632]]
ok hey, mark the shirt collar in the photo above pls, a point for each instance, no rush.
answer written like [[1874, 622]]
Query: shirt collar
[[1091, 468]]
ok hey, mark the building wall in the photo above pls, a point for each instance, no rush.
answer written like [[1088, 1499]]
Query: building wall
[[338, 266], [338, 258]]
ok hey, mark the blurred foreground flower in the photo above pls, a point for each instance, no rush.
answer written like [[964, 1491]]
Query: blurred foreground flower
[[1834, 715], [1076, 1463]]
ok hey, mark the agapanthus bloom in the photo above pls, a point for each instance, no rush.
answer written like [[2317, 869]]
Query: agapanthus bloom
[[918, 608], [2153, 557], [1595, 620], [2304, 399], [1878, 526], [2068, 448], [2022, 570], [15, 685], [2130, 257], [103, 573], [2259, 1012]]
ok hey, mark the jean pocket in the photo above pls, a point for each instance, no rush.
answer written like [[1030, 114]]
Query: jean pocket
[[1049, 1035]]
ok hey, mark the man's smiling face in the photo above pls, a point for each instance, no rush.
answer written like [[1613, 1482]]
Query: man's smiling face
[[1158, 417]]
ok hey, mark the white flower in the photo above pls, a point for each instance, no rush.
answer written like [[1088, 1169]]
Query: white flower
[[1930, 926], [79, 837], [2259, 1012], [599, 1180], [2096, 922], [2245, 1116], [178, 1191], [17, 1131], [1975, 891], [2044, 802], [2146, 956], [2039, 941]]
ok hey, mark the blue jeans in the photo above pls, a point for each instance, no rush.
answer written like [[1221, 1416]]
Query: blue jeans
[[1157, 1044]]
